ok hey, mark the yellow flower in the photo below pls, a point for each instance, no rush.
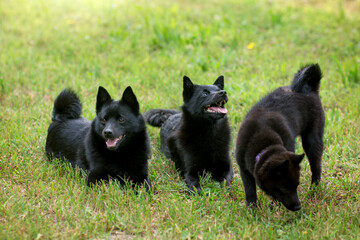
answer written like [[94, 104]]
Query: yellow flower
[[69, 22], [250, 45]]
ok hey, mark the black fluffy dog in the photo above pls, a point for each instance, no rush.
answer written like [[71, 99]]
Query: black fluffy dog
[[266, 139], [197, 139], [115, 144]]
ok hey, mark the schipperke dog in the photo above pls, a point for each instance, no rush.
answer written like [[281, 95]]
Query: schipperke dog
[[115, 144], [198, 138], [266, 140]]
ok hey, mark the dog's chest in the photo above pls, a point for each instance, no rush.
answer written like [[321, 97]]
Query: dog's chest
[[206, 147]]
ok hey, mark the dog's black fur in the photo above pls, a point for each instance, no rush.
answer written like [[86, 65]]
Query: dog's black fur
[[266, 140], [115, 144], [198, 138]]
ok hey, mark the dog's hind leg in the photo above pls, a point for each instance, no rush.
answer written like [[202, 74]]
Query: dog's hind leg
[[313, 147], [249, 186], [228, 177], [174, 156]]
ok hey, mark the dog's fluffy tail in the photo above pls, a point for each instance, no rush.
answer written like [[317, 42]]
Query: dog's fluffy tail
[[66, 106], [157, 117], [307, 79]]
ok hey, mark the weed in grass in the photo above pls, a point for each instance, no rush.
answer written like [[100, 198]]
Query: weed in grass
[[349, 72], [3, 87]]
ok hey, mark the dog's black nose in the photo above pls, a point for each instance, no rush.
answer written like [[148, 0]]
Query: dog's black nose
[[296, 207], [222, 93], [108, 133]]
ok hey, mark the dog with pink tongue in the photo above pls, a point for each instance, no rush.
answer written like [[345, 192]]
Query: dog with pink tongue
[[197, 139], [114, 145]]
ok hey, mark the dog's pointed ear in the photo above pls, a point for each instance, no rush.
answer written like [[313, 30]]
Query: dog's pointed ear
[[188, 88], [129, 98], [102, 98], [296, 160], [220, 82]]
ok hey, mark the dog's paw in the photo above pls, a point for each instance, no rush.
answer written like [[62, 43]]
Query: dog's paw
[[193, 191], [252, 205]]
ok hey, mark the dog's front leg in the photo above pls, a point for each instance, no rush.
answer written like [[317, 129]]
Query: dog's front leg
[[95, 176], [192, 182], [249, 186], [227, 177]]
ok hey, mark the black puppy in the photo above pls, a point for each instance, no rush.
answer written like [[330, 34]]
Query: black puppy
[[115, 144], [266, 140], [197, 139]]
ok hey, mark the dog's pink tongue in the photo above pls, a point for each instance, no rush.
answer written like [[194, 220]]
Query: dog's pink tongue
[[218, 109], [111, 142]]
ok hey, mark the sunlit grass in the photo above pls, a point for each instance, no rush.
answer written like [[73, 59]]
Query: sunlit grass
[[258, 46]]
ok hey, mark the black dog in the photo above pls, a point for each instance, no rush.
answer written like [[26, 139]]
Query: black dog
[[115, 144], [266, 139], [197, 139]]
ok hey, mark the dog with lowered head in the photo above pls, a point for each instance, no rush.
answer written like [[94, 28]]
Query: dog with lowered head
[[266, 139], [198, 138], [115, 144]]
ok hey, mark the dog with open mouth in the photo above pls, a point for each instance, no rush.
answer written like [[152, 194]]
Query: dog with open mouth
[[115, 144], [197, 139]]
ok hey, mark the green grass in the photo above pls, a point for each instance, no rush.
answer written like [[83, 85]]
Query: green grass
[[46, 46]]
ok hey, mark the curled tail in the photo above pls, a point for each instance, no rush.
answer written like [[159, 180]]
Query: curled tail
[[307, 79], [156, 117], [66, 106]]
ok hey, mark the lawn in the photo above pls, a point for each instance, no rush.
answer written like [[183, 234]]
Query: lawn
[[46, 46]]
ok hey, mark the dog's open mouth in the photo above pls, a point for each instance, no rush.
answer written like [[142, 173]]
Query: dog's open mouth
[[216, 107], [113, 143]]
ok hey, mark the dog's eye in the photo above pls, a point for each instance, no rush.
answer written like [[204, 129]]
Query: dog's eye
[[204, 93], [103, 121], [121, 120]]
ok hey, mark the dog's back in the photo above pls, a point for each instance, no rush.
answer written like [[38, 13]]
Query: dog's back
[[68, 128], [292, 108]]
